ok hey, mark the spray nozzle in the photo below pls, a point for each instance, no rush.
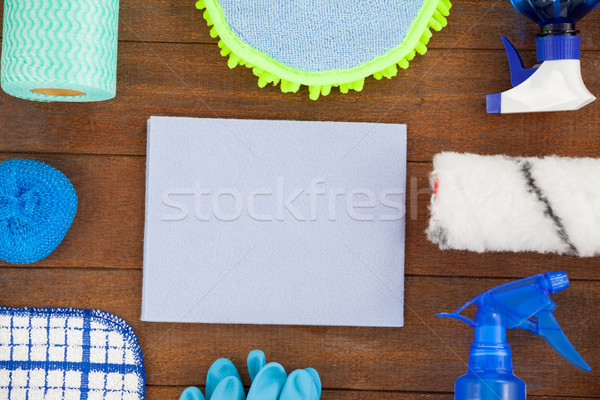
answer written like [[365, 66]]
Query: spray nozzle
[[523, 304], [557, 281]]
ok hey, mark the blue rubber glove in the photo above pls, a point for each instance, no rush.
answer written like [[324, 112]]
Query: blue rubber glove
[[256, 362], [223, 382], [269, 382], [191, 393], [302, 384]]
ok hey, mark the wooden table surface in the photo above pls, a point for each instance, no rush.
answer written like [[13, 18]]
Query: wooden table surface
[[169, 65]]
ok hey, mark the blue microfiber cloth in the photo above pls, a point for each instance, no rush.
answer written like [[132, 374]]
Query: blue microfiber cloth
[[323, 43], [37, 205], [269, 382], [321, 35]]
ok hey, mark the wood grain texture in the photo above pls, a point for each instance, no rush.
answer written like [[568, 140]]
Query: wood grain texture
[[426, 354], [172, 393], [473, 24], [108, 229], [109, 226], [169, 65], [441, 97]]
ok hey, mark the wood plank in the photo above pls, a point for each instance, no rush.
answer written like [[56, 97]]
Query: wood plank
[[173, 392], [478, 24], [108, 230], [109, 225], [426, 355], [473, 24], [441, 98]]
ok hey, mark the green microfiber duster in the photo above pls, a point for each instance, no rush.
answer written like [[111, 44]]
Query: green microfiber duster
[[323, 43]]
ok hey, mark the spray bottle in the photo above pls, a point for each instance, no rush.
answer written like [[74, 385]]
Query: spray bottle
[[556, 83], [521, 304]]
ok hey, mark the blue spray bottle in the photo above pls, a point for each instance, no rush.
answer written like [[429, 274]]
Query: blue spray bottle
[[521, 304]]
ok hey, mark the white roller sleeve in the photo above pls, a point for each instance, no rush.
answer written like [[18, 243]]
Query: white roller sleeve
[[500, 203]]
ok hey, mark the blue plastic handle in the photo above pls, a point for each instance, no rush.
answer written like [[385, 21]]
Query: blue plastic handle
[[523, 304], [555, 337], [518, 72]]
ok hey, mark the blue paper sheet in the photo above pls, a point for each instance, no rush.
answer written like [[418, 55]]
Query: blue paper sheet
[[274, 222]]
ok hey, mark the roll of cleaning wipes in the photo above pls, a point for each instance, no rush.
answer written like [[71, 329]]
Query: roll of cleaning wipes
[[60, 50]]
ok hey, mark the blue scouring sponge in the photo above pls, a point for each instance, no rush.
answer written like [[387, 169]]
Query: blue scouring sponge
[[37, 206]]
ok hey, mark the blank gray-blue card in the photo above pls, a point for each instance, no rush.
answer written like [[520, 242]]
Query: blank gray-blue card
[[274, 222]]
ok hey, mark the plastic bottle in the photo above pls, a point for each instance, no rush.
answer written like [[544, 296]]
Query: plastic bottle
[[523, 304]]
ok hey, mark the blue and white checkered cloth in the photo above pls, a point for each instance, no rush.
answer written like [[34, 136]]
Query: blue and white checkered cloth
[[68, 354]]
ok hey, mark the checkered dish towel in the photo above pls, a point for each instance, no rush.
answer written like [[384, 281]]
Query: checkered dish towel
[[70, 354]]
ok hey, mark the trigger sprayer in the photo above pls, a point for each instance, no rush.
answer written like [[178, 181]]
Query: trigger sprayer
[[555, 84], [524, 304]]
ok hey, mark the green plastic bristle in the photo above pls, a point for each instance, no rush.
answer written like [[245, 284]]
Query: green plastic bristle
[[269, 71]]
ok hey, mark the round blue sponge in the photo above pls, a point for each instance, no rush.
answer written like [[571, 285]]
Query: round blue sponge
[[37, 205]]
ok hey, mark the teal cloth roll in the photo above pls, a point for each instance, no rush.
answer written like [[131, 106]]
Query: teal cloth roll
[[60, 50]]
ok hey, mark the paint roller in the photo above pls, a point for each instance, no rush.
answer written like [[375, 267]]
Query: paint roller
[[500, 203]]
